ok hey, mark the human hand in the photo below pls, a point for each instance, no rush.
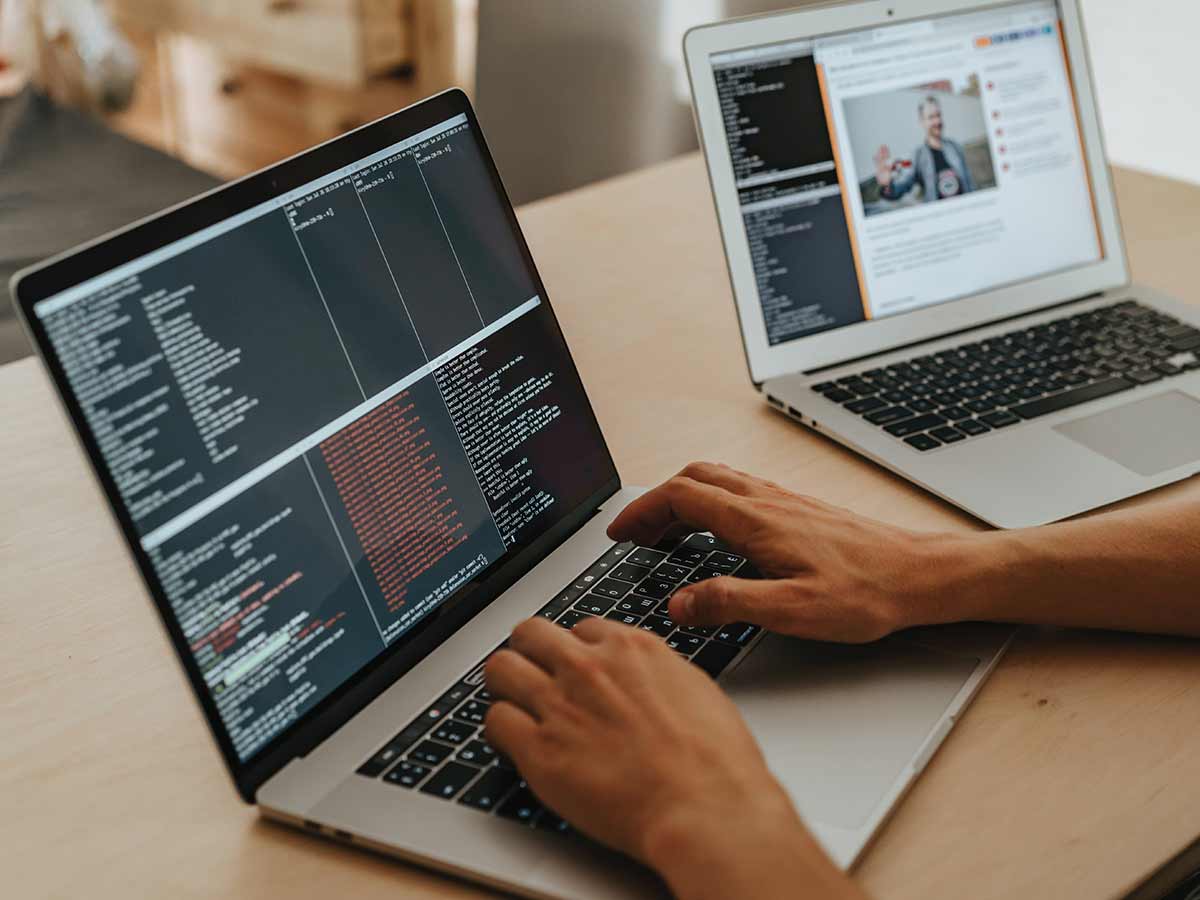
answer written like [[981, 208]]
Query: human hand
[[831, 574], [883, 166], [639, 749]]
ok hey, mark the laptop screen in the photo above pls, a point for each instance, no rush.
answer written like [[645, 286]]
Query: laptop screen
[[328, 414], [887, 170]]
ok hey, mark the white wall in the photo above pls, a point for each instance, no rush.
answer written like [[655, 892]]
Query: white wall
[[1147, 67]]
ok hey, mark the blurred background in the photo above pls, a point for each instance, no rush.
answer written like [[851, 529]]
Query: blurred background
[[568, 91]]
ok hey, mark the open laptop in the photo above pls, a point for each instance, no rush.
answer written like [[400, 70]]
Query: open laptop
[[925, 253], [340, 431]]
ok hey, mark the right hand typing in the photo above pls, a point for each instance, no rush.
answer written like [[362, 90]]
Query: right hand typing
[[831, 574]]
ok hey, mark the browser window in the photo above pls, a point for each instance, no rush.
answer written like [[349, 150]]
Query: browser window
[[888, 170]]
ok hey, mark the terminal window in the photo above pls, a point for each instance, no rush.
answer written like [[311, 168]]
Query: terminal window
[[327, 414]]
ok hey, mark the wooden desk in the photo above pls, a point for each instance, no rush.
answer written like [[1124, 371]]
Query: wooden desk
[[1074, 774]]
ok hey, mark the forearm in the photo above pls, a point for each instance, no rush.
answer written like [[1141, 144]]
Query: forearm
[[1132, 570], [767, 854]]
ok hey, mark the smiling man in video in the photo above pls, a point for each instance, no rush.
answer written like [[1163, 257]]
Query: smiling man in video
[[939, 164]]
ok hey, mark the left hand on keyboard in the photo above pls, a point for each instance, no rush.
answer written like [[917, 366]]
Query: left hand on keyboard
[[642, 751]]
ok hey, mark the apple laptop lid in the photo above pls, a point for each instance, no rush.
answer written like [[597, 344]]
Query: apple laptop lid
[[888, 172]]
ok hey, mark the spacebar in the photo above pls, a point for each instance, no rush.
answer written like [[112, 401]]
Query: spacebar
[[1046, 405]]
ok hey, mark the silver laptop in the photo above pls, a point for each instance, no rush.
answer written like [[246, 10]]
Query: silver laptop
[[925, 253], [342, 435]]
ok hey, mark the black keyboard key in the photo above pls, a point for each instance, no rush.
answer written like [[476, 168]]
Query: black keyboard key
[[1143, 376], [455, 695], [954, 413], [429, 753], [839, 395], [1000, 419], [1185, 343], [858, 386], [887, 416], [611, 588], [948, 435], [654, 587], [407, 774], [923, 442], [571, 618], [601, 568], [912, 426], [1067, 399], [660, 625], [704, 542], [981, 406], [449, 780], [686, 644], [522, 806], [739, 633], [699, 630], [715, 656], [703, 573], [687, 556], [865, 405], [441, 707], [972, 427], [638, 606], [472, 711], [724, 562], [671, 572], [453, 732], [645, 557], [394, 749], [624, 618], [490, 789], [477, 753], [629, 572], [595, 605], [823, 386], [380, 761], [560, 603], [921, 405], [1177, 331]]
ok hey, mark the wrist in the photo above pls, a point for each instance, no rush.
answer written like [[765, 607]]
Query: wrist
[[762, 850], [961, 577]]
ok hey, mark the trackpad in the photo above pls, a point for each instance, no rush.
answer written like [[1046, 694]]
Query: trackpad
[[839, 724], [1147, 436]]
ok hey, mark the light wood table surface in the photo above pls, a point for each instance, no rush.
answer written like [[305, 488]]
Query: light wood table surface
[[1073, 775]]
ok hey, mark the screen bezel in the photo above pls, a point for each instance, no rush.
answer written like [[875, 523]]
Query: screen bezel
[[105, 253], [864, 339]]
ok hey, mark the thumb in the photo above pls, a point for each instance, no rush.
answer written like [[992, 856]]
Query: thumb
[[719, 601]]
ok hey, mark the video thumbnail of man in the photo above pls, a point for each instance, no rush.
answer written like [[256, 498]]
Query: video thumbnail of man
[[920, 144]]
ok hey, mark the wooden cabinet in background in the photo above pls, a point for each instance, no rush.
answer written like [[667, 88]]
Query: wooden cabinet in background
[[343, 42], [231, 86]]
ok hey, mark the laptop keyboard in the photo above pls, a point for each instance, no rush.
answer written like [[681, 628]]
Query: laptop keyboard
[[443, 753], [971, 390]]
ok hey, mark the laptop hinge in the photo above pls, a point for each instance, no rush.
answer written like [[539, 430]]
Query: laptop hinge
[[946, 334]]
